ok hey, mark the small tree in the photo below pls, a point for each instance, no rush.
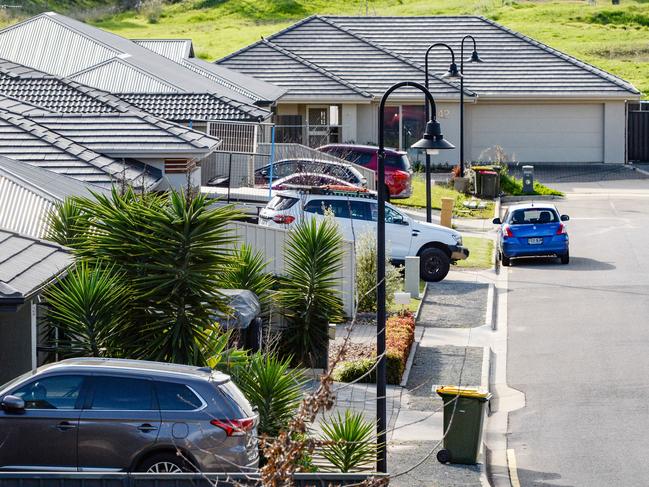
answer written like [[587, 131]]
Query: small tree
[[366, 258], [308, 296]]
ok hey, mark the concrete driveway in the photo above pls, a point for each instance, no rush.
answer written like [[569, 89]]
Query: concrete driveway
[[579, 343]]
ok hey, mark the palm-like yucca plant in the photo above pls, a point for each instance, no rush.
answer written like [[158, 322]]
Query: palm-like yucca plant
[[171, 249], [88, 307], [348, 441], [308, 296], [274, 388], [67, 224], [248, 271]]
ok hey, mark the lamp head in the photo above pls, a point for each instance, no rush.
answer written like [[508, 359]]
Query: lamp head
[[432, 140], [475, 58], [453, 73]]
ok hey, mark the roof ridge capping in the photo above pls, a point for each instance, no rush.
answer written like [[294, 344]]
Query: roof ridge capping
[[390, 53], [566, 57], [317, 68]]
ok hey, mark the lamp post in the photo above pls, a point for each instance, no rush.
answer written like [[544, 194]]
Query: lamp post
[[433, 141], [474, 59], [451, 73]]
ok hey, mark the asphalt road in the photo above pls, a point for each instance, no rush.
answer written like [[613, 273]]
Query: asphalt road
[[579, 345]]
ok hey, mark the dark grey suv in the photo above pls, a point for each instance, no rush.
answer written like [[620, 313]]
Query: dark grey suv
[[110, 414]]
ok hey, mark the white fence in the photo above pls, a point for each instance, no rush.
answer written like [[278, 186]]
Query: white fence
[[271, 242]]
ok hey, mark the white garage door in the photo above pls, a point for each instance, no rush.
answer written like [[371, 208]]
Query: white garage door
[[538, 133]]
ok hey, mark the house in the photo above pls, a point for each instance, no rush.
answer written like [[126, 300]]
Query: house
[[539, 104], [27, 265], [28, 193]]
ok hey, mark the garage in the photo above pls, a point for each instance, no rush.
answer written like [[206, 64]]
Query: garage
[[539, 132]]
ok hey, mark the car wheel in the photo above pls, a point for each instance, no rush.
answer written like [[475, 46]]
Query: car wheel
[[505, 260], [434, 265], [565, 258], [443, 456], [164, 463]]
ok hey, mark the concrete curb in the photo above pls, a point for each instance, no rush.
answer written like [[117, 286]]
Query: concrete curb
[[418, 312], [491, 311], [411, 360], [640, 170]]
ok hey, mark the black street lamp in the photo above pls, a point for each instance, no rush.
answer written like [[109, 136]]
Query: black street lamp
[[432, 140], [474, 59], [452, 73]]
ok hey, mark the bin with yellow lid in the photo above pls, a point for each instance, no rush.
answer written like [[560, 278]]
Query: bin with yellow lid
[[464, 412]]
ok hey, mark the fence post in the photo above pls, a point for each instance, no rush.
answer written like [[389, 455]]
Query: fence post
[[272, 160]]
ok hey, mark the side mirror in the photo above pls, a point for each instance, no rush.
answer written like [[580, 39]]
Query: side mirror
[[496, 221], [13, 404], [565, 218]]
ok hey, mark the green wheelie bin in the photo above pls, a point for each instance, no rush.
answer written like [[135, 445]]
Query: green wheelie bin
[[464, 411]]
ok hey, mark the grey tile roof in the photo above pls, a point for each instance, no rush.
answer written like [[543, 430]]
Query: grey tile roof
[[28, 193], [350, 47], [67, 96], [66, 47], [27, 264], [128, 134], [27, 141], [338, 54]]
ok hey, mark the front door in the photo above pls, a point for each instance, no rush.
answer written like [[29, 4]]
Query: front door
[[44, 436], [120, 419]]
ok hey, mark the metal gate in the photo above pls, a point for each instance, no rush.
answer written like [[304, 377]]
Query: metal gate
[[638, 132]]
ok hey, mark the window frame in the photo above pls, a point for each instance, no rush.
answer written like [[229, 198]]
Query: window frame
[[78, 403], [90, 396]]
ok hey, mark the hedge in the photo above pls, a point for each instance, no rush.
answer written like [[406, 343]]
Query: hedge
[[399, 337]]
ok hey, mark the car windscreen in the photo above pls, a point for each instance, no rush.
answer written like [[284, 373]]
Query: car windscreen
[[533, 216], [400, 162], [281, 202]]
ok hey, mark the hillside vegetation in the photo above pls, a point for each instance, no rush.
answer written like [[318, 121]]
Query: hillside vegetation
[[615, 38]]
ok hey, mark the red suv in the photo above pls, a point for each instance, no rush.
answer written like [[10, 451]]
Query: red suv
[[398, 173]]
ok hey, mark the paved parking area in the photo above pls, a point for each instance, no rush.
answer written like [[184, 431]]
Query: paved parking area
[[580, 173]]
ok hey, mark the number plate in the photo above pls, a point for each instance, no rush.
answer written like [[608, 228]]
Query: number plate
[[534, 241]]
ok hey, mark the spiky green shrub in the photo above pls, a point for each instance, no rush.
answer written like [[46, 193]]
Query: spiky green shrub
[[274, 388], [348, 441], [66, 223], [308, 297], [366, 258], [88, 307]]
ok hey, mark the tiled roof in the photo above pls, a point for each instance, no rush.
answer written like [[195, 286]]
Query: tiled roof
[[27, 141], [63, 95], [28, 193], [27, 264], [373, 52], [128, 134], [194, 106], [66, 47]]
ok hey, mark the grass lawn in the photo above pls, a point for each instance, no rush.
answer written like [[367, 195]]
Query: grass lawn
[[418, 199], [612, 37], [514, 186], [414, 302], [480, 253]]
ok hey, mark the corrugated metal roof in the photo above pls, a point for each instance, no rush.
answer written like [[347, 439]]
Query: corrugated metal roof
[[117, 75], [28, 193], [62, 52], [174, 49], [372, 53], [60, 45], [27, 264]]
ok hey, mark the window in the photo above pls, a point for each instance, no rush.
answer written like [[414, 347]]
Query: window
[[392, 124], [176, 397], [391, 215], [58, 392], [534, 216], [122, 394], [315, 206], [280, 203]]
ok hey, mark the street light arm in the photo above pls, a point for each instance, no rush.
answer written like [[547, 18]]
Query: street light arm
[[475, 48], [430, 48]]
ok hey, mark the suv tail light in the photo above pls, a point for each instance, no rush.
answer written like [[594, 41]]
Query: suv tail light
[[234, 427], [283, 219], [401, 176], [562, 229], [508, 231]]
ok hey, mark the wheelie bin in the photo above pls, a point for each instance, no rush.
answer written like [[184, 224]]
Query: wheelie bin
[[464, 412]]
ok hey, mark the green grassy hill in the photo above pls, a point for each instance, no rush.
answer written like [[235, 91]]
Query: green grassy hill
[[615, 38]]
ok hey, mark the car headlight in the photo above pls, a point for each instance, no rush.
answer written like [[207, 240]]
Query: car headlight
[[458, 239]]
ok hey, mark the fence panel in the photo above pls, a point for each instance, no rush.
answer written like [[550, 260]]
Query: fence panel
[[271, 242], [638, 135]]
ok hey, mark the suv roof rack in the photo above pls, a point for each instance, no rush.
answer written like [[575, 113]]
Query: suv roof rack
[[333, 190]]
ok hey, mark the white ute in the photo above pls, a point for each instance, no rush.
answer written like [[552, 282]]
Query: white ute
[[356, 212]]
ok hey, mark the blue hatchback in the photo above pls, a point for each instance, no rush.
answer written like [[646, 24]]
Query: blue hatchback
[[532, 230]]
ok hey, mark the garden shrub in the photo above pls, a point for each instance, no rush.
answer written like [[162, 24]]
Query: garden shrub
[[366, 259]]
